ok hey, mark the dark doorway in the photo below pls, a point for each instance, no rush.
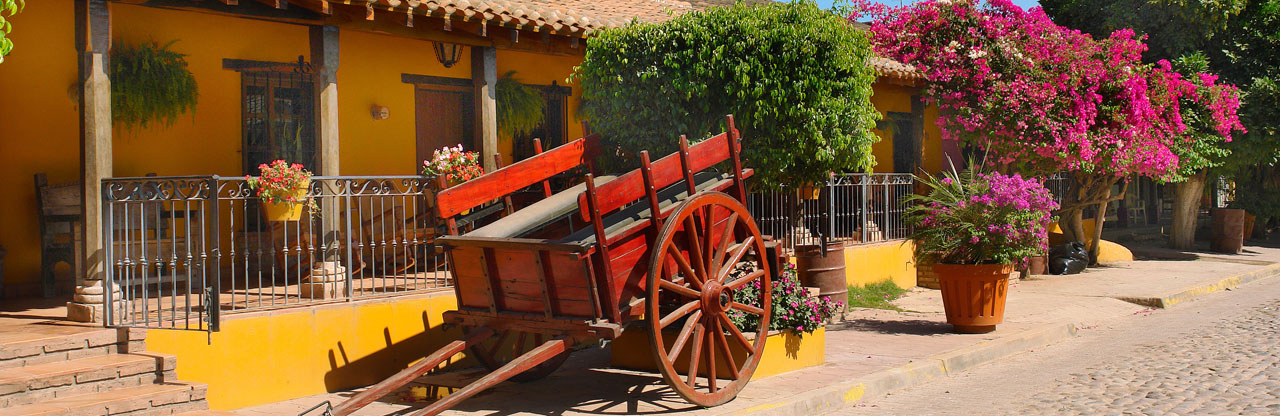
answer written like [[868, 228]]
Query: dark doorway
[[445, 117]]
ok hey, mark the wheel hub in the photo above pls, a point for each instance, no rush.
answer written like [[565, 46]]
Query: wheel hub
[[716, 298]]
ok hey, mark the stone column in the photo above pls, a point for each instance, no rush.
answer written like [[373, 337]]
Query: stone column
[[484, 75], [93, 42]]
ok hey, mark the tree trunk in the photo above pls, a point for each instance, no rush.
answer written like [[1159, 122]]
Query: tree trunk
[[1098, 218], [1186, 208]]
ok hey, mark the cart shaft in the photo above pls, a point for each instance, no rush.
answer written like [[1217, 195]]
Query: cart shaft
[[519, 365], [413, 372]]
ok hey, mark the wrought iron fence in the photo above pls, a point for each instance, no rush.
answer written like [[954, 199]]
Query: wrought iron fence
[[854, 208], [182, 250]]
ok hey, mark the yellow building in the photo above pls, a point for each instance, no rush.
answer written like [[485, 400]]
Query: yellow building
[[358, 91]]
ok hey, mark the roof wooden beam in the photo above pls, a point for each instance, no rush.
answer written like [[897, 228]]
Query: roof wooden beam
[[318, 6], [230, 2], [279, 4]]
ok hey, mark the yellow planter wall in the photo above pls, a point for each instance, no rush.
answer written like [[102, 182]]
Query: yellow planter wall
[[875, 263], [783, 352], [271, 356]]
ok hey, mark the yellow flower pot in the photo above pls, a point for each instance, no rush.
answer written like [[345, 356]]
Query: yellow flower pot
[[285, 211]]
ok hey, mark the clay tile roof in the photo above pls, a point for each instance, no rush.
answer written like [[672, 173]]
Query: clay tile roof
[[572, 16], [890, 68]]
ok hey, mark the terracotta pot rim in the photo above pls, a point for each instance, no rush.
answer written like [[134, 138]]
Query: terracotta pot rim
[[997, 266]]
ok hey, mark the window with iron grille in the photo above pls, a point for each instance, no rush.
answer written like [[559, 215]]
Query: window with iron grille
[[554, 128], [279, 118]]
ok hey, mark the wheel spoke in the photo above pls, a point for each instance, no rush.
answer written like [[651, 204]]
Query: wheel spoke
[[493, 351], [723, 273], [691, 231], [747, 308], [738, 335], [708, 231], [724, 344], [679, 290], [685, 268], [711, 354], [678, 313], [724, 240], [518, 348], [683, 338], [745, 279], [693, 355]]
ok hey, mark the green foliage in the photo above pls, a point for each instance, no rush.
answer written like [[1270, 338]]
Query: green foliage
[[1174, 27], [150, 83], [796, 78], [876, 296], [8, 8], [520, 107]]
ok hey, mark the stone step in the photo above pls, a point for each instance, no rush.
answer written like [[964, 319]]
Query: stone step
[[53, 343], [152, 399], [37, 383]]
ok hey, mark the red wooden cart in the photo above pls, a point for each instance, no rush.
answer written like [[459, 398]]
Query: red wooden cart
[[665, 245]]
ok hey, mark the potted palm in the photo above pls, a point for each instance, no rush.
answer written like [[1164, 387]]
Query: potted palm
[[973, 227], [282, 187]]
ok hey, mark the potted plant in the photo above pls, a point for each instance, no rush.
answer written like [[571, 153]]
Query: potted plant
[[282, 187], [454, 164], [972, 227], [794, 310]]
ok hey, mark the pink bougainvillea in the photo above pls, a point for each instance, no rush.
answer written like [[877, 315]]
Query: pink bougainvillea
[[1044, 97]]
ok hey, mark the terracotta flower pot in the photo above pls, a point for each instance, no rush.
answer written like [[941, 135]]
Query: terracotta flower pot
[[284, 211], [973, 295]]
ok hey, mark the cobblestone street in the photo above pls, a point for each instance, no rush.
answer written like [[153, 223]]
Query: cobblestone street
[[1214, 356]]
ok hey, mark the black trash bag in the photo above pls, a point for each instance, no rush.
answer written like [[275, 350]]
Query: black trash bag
[[1069, 258]]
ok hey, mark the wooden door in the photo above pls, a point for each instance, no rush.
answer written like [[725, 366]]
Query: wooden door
[[445, 117]]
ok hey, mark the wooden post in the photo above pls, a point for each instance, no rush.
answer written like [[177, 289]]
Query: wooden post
[[324, 58], [93, 42], [324, 61], [484, 75]]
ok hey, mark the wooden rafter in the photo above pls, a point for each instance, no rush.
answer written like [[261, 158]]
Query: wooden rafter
[[279, 4], [318, 6]]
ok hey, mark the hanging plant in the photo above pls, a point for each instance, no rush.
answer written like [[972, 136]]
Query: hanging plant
[[150, 83], [8, 8], [520, 107]]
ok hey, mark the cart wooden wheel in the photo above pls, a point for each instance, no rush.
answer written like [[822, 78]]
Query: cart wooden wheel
[[505, 346], [709, 248]]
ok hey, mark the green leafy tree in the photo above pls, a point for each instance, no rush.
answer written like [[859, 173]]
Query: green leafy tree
[[8, 8], [1174, 27], [796, 78]]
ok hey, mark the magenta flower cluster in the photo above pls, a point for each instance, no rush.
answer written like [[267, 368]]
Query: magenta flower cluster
[[1041, 95], [793, 308], [977, 218]]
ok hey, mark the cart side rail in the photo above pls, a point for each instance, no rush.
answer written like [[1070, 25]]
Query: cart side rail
[[665, 172], [517, 176]]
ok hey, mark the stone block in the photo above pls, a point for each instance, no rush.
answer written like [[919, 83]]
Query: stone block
[[97, 374]]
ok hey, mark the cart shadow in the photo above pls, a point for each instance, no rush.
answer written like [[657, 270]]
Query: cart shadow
[[894, 326], [593, 391]]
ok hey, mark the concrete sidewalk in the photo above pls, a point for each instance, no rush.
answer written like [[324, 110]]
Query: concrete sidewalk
[[873, 352]]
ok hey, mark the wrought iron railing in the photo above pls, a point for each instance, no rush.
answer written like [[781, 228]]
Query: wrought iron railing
[[182, 250], [853, 208]]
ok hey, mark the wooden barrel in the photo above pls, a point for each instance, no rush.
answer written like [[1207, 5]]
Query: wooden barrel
[[1228, 231], [823, 269]]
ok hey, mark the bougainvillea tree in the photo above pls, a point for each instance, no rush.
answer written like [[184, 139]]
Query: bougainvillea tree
[[1040, 98]]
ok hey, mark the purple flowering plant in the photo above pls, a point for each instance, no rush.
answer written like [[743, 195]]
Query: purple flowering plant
[[793, 308], [980, 218]]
